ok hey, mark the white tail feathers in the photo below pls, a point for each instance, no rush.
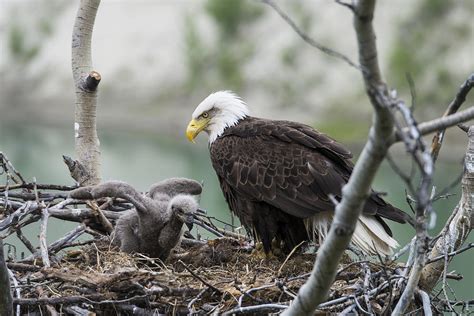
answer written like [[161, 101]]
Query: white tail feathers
[[369, 235]]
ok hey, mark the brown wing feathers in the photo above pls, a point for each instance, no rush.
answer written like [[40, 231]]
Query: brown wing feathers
[[291, 169]]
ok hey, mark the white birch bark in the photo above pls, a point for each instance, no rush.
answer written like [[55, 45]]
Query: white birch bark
[[86, 170]]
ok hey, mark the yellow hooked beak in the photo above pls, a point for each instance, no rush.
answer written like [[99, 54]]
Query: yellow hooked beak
[[195, 127]]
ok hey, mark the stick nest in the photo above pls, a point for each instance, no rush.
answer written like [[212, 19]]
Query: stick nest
[[220, 275], [225, 275]]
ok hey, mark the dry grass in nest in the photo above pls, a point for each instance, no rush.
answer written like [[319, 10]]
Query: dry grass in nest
[[217, 276]]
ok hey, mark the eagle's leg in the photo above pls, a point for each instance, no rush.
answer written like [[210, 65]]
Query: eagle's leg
[[277, 247], [260, 253]]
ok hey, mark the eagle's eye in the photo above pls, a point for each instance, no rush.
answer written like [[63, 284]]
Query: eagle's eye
[[205, 115]]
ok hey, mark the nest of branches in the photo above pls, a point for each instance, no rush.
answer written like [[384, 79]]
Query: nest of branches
[[82, 272], [220, 275]]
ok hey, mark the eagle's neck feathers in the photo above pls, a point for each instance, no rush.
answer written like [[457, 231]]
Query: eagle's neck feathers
[[226, 110]]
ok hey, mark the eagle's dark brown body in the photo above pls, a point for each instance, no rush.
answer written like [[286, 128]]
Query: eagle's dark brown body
[[274, 174]]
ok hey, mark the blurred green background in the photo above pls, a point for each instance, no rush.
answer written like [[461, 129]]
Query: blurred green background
[[159, 59]]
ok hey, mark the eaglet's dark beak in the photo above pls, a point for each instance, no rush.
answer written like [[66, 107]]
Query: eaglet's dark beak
[[189, 221]]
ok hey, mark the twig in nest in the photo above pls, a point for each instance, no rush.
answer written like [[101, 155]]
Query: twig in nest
[[247, 293], [101, 217], [42, 238], [39, 187], [219, 232], [194, 300], [199, 278], [6, 165], [207, 227], [25, 241], [255, 309], [289, 255], [60, 243]]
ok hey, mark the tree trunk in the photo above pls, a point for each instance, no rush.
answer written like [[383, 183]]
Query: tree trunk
[[86, 169]]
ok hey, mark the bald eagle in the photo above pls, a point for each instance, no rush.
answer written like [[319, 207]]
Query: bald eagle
[[278, 177]]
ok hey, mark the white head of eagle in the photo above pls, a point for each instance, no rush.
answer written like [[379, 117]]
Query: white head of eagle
[[215, 113]]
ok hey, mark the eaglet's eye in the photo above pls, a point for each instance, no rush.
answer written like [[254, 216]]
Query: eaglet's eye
[[205, 115]]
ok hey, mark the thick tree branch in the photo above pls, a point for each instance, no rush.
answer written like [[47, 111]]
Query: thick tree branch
[[457, 229], [6, 300], [357, 189], [86, 81]]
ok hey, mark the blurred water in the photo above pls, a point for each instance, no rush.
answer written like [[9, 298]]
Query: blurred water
[[142, 159]]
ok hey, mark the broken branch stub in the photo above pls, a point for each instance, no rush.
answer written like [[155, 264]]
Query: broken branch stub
[[86, 81]]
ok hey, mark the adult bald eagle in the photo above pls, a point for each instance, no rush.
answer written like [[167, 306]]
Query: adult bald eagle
[[277, 177]]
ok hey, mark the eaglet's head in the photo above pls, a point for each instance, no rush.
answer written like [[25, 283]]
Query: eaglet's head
[[184, 207], [215, 113]]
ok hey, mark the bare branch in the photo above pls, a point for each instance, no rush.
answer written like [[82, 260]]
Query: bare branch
[[415, 145], [6, 165], [102, 219], [453, 253], [42, 238], [426, 302], [199, 278], [355, 192], [25, 241], [258, 309], [463, 127], [308, 39], [345, 4], [86, 81], [457, 229], [452, 108], [443, 122]]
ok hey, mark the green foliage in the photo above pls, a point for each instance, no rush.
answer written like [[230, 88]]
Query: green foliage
[[289, 56], [19, 48], [228, 66], [45, 26], [343, 129], [196, 57], [420, 51], [219, 64], [28, 29], [230, 15]]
